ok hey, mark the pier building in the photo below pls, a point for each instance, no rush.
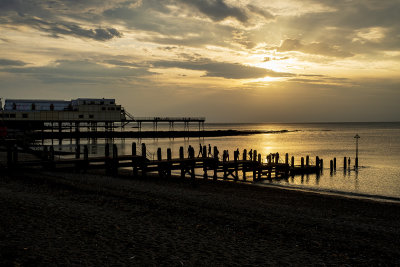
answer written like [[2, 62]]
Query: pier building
[[81, 114]]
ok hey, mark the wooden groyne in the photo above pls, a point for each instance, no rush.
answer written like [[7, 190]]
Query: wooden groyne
[[207, 164]]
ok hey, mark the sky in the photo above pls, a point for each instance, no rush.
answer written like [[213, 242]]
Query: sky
[[226, 60]]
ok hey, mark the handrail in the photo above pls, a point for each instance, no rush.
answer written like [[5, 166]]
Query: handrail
[[155, 119]]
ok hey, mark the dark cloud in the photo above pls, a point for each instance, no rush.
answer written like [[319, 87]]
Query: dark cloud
[[222, 69], [217, 10], [312, 48], [64, 28], [263, 13], [8, 62], [64, 71], [49, 17]]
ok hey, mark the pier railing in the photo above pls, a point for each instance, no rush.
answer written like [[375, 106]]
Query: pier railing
[[169, 119]]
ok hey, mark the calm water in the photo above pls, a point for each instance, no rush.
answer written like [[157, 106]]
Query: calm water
[[379, 152]]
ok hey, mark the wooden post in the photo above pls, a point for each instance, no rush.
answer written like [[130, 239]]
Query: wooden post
[[181, 157], [259, 167], [115, 160], [255, 166], [144, 159], [204, 154], [317, 162], [277, 158], [85, 157], [307, 161], [192, 167], [321, 164], [224, 160], [216, 162], [244, 164], [78, 151], [334, 164], [344, 163], [235, 159], [134, 160], [107, 150], [77, 156], [287, 159], [159, 166], [349, 163], [133, 149], [159, 156], [292, 162], [169, 158], [302, 162], [331, 165]]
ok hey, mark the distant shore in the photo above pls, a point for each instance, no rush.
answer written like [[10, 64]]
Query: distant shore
[[149, 134], [89, 219]]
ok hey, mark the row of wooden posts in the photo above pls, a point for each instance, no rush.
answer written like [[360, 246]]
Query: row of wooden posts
[[250, 162], [346, 164]]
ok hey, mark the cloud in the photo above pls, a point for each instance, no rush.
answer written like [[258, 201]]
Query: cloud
[[65, 28], [54, 18], [262, 12], [217, 10], [8, 62], [222, 69], [316, 48], [80, 71]]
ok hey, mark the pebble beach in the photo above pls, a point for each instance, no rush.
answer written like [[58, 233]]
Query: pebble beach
[[55, 218]]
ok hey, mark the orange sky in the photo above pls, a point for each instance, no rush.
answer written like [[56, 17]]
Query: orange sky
[[231, 61]]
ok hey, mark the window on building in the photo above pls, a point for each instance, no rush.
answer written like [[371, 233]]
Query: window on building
[[81, 116], [24, 115], [12, 115], [118, 108], [91, 116], [103, 108]]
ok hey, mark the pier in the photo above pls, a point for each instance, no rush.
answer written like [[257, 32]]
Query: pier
[[208, 164]]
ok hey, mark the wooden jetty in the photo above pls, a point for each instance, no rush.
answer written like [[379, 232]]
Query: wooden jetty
[[210, 165]]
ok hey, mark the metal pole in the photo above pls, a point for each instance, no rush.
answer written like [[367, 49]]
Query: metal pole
[[356, 137]]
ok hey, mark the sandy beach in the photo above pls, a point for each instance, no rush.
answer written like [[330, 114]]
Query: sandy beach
[[87, 219]]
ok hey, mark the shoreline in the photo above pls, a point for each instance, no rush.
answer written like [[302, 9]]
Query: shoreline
[[336, 193], [91, 219]]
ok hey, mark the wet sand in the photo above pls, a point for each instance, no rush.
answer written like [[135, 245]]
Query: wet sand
[[85, 219]]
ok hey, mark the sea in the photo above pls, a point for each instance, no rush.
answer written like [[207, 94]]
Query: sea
[[378, 174]]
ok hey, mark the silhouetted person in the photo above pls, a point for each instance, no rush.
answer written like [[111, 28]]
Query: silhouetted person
[[200, 151], [251, 154], [216, 153], [209, 150]]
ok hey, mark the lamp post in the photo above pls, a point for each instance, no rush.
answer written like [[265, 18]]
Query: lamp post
[[356, 137]]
